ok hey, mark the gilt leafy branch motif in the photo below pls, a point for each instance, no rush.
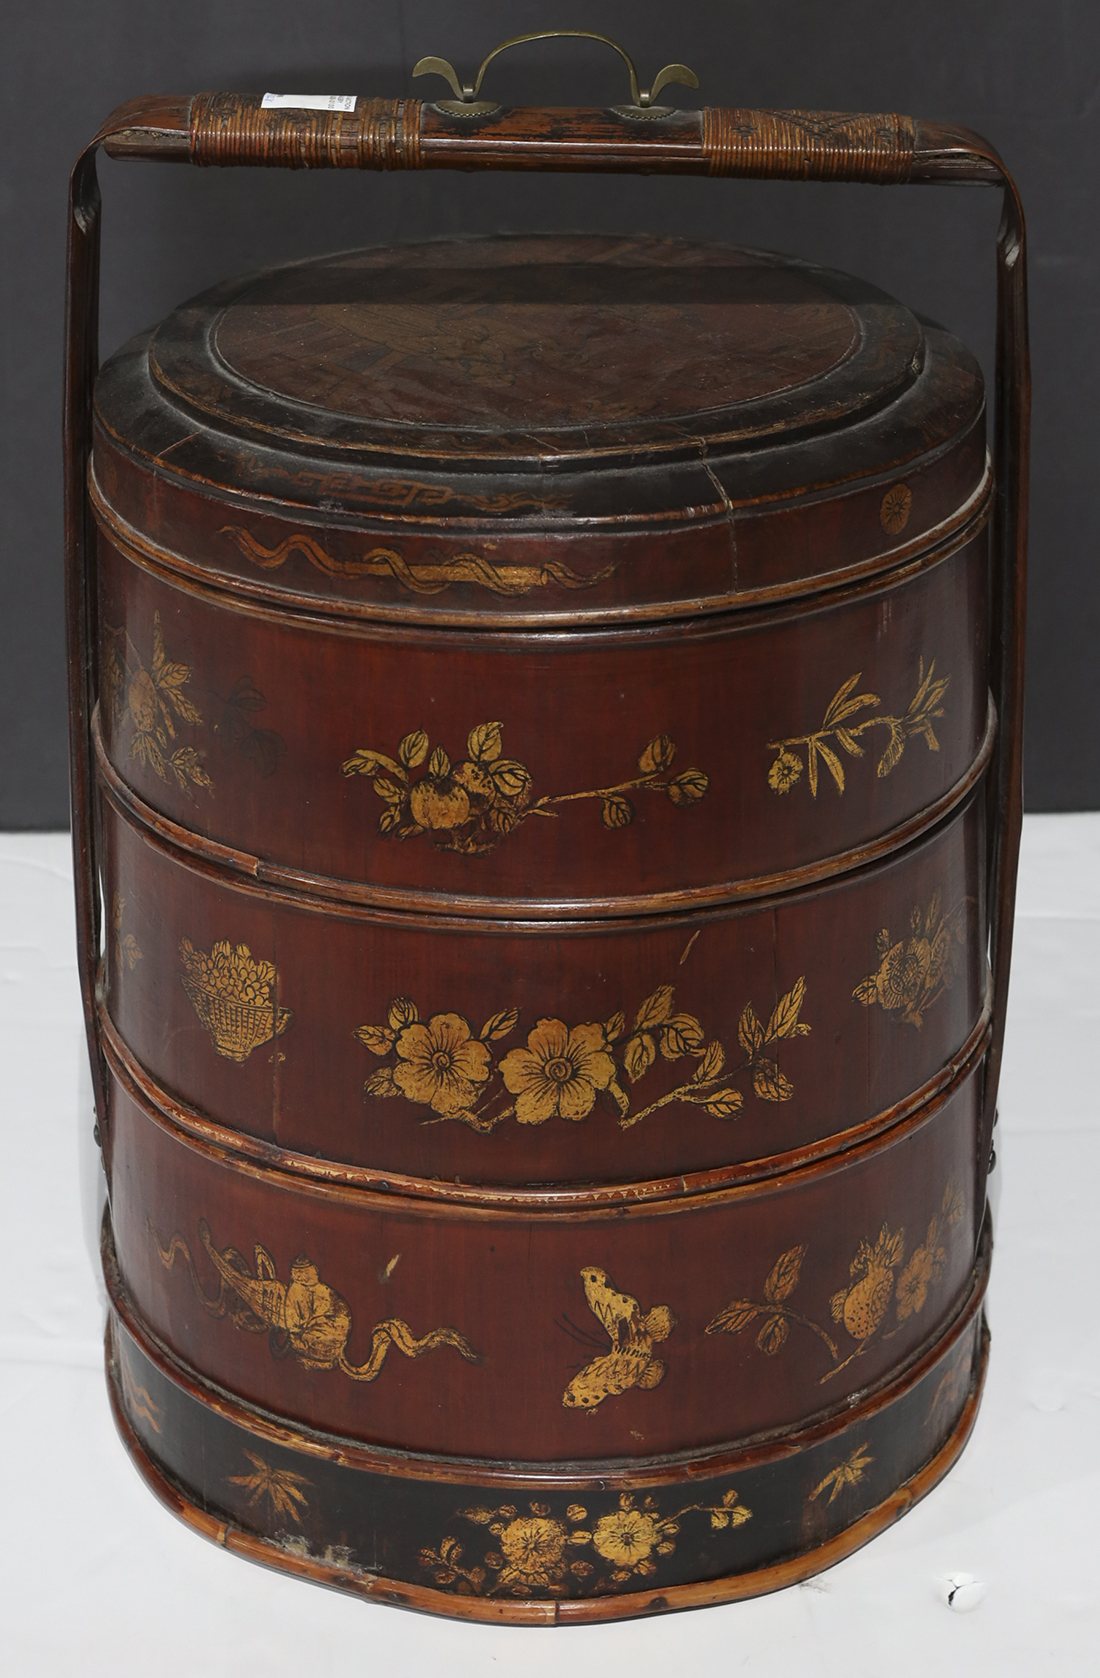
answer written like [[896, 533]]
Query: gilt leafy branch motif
[[838, 725], [153, 699], [861, 1305], [914, 972], [472, 805], [562, 1071], [951, 1387], [127, 950], [281, 1487], [139, 1402], [238, 732], [539, 1553], [305, 1317], [781, 1281], [676, 1034]]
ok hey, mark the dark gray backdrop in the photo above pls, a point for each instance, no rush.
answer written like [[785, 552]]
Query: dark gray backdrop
[[1025, 73]]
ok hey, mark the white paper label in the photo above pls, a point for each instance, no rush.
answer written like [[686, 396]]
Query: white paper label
[[308, 102]]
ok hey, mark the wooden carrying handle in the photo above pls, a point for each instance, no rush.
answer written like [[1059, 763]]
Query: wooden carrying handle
[[233, 129]]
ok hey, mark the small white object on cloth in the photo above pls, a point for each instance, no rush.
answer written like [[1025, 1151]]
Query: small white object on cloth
[[962, 1592]]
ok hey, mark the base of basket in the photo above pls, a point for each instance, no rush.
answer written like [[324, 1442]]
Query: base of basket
[[543, 1544]]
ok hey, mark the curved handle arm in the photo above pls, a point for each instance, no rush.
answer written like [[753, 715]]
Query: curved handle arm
[[234, 129]]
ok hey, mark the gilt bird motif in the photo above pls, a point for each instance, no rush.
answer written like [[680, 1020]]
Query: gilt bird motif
[[633, 1335]]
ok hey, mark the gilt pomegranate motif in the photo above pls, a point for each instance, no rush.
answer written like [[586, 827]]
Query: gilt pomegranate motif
[[474, 804]]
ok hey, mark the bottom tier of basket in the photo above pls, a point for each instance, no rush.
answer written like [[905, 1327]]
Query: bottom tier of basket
[[543, 1543]]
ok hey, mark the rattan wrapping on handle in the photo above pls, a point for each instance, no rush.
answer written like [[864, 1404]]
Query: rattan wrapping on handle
[[808, 145], [234, 128]]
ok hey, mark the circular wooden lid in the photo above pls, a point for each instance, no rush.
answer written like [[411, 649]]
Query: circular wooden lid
[[539, 429], [513, 349]]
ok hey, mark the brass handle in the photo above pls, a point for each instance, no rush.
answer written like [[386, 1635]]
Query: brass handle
[[467, 104]]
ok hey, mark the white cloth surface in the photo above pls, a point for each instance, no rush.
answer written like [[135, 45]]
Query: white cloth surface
[[97, 1579]]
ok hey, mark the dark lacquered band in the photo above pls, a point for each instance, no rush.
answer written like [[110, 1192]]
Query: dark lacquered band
[[501, 1544]]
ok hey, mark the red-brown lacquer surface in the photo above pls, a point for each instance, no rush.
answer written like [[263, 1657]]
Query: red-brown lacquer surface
[[712, 702], [886, 966], [876, 1253]]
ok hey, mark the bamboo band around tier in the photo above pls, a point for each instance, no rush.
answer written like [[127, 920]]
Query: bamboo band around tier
[[385, 1190], [255, 597], [243, 871], [180, 1117], [627, 1473]]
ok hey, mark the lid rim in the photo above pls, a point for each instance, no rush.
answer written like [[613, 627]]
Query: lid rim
[[883, 355]]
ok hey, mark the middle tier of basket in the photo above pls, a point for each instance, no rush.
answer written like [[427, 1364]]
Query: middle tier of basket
[[364, 1044]]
